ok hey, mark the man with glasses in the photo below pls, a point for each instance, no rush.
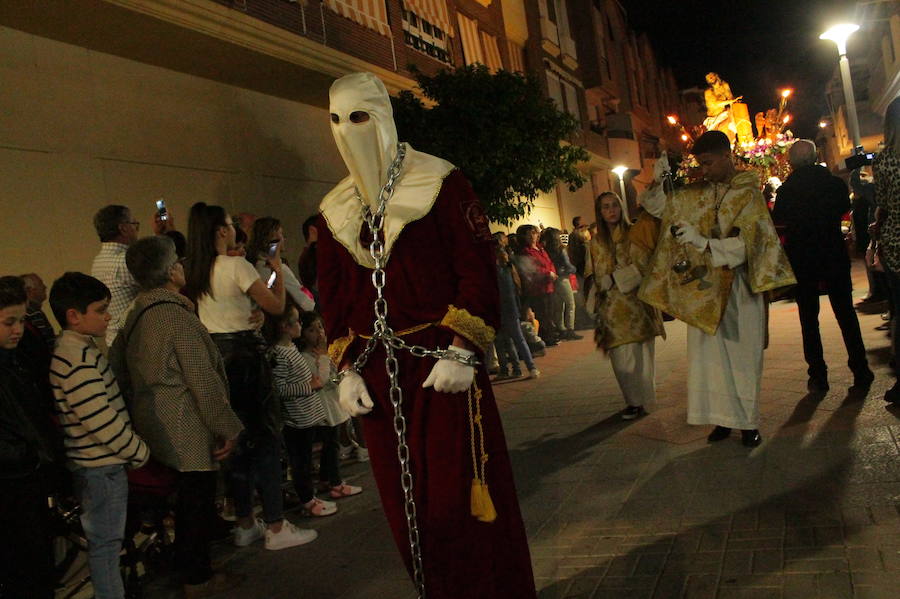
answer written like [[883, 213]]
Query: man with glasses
[[117, 230]]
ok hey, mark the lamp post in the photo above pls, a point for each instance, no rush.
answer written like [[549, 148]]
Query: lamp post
[[620, 172], [839, 34]]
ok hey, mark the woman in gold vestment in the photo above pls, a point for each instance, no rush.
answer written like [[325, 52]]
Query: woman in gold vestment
[[626, 328]]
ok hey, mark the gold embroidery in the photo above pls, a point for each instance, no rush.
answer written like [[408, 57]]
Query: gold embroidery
[[742, 211], [338, 348], [623, 318], [472, 327]]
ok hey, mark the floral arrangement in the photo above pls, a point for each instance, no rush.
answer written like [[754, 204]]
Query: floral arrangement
[[767, 155]]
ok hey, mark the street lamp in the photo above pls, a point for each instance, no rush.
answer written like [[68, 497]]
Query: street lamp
[[839, 34], [620, 172]]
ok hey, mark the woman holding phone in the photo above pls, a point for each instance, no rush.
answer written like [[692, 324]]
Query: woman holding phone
[[267, 234], [224, 288]]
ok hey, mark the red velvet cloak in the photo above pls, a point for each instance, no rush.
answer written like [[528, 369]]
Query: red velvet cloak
[[441, 270]]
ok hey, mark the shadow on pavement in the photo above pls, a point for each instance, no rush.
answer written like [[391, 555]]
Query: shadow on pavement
[[539, 459], [731, 515]]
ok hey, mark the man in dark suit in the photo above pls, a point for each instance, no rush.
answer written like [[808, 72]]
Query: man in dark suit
[[810, 205]]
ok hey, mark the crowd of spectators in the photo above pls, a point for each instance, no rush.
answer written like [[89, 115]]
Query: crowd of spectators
[[194, 366], [540, 272]]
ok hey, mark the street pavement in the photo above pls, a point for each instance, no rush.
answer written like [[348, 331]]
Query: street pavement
[[648, 509]]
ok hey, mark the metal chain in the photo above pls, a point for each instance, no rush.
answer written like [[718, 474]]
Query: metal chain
[[384, 334]]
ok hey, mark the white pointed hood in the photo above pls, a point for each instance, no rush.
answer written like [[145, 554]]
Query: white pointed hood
[[368, 149]]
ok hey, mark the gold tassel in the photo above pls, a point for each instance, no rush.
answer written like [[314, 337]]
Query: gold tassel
[[481, 504]]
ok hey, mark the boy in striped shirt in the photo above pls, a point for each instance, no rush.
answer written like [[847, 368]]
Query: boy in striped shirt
[[99, 440]]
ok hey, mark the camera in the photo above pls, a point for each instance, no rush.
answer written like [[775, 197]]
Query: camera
[[859, 160]]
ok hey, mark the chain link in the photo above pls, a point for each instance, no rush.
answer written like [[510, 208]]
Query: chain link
[[382, 333]]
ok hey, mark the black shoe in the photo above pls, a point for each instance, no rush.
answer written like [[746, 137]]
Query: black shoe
[[885, 326], [632, 412], [751, 438], [817, 384], [551, 342], [572, 336], [863, 379], [718, 434]]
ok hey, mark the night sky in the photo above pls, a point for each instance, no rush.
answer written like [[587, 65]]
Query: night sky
[[758, 46]]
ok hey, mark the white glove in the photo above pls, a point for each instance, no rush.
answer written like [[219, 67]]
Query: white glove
[[627, 278], [661, 167], [605, 282], [450, 376], [353, 396], [688, 233]]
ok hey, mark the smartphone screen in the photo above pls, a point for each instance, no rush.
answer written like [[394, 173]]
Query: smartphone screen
[[271, 280], [161, 209], [273, 247]]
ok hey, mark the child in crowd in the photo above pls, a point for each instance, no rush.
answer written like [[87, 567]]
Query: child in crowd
[[530, 328], [313, 346], [99, 441], [296, 383]]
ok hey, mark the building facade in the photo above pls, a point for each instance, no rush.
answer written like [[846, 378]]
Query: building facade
[[225, 101]]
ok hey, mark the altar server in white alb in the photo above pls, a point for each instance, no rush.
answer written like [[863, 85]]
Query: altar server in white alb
[[718, 253]]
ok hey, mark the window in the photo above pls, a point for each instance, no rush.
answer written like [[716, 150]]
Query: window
[[425, 37], [554, 90], [571, 95]]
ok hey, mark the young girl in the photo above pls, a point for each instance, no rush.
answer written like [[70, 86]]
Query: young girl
[[313, 346], [300, 389], [626, 327]]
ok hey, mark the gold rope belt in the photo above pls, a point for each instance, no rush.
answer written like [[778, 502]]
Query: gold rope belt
[[409, 331]]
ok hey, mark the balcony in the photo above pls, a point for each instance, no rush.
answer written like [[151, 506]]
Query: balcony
[[625, 152], [569, 55], [549, 37], [620, 126]]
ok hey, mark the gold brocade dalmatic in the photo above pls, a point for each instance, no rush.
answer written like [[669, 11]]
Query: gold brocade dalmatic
[[621, 317], [742, 213]]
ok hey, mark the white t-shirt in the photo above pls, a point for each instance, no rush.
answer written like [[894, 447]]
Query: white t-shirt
[[227, 309]]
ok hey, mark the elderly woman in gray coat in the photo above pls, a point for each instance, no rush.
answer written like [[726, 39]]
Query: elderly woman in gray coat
[[177, 394]]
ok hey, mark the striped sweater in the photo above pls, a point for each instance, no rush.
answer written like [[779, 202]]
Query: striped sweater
[[90, 407], [300, 405]]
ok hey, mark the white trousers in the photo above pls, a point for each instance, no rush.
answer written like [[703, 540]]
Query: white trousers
[[634, 365]]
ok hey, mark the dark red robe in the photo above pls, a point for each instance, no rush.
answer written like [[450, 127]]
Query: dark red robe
[[444, 259]]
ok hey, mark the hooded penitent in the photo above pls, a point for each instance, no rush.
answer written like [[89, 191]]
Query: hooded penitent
[[362, 122]]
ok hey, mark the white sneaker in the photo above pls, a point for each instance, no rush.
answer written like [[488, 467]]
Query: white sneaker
[[246, 536], [288, 536], [534, 373], [362, 454], [345, 451]]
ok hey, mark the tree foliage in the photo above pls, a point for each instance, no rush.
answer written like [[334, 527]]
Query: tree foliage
[[499, 129]]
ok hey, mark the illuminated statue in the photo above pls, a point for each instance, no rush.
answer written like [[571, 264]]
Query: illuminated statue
[[719, 101]]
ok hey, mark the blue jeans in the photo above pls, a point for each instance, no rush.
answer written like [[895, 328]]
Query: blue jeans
[[103, 494]]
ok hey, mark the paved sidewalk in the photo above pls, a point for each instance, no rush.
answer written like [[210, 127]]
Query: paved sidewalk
[[649, 509]]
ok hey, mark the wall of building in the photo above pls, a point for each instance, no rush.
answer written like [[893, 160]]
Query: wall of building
[[80, 129]]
